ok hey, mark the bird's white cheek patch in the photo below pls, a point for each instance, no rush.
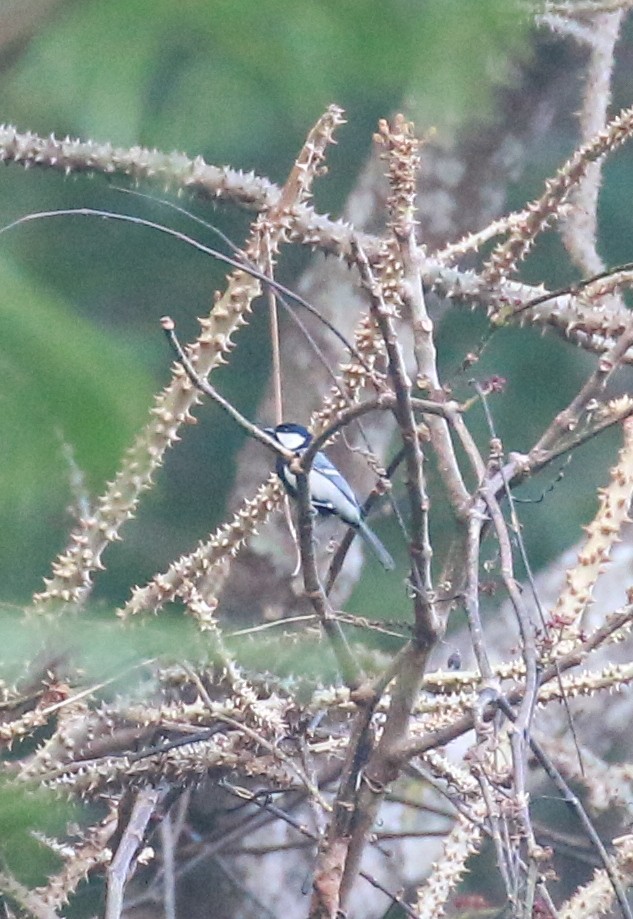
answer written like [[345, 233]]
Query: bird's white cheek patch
[[291, 440]]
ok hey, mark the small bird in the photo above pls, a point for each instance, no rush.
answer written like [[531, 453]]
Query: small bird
[[329, 492]]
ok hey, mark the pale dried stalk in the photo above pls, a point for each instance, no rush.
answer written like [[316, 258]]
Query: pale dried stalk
[[88, 854], [353, 375], [589, 330], [183, 576], [442, 711], [403, 171], [131, 840], [71, 581], [420, 547], [610, 678], [72, 572], [579, 228], [567, 27], [579, 7], [463, 841], [419, 745], [271, 230], [602, 533], [547, 208], [471, 242], [597, 897], [26, 899], [173, 170]]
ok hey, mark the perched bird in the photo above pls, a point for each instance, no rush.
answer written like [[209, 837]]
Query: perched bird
[[329, 492]]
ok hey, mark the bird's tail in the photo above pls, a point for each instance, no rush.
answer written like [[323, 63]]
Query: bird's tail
[[372, 540]]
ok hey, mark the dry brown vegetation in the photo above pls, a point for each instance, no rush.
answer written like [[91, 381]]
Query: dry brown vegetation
[[312, 770]]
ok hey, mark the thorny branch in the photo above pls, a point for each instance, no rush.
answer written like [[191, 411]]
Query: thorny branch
[[333, 751]]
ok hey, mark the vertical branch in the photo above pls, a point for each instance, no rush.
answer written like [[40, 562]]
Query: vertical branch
[[273, 321], [426, 624], [168, 841], [383, 766], [471, 592], [131, 840], [314, 591], [297, 190], [403, 172], [404, 160], [520, 734], [579, 228]]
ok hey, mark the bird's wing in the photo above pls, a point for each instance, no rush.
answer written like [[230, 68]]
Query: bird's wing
[[331, 493]]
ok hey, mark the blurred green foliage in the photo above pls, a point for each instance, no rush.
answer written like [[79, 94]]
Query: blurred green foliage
[[26, 811], [223, 76], [95, 649], [73, 395]]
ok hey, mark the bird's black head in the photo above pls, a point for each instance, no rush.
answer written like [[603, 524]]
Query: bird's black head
[[291, 436]]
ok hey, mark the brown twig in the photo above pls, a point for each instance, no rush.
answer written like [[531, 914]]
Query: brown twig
[[574, 802], [118, 871], [426, 623], [314, 591], [528, 643], [573, 658], [567, 420], [169, 328]]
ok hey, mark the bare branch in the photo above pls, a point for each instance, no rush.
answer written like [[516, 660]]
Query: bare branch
[[130, 842]]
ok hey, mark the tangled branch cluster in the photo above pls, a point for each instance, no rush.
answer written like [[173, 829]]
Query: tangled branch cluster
[[338, 753]]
